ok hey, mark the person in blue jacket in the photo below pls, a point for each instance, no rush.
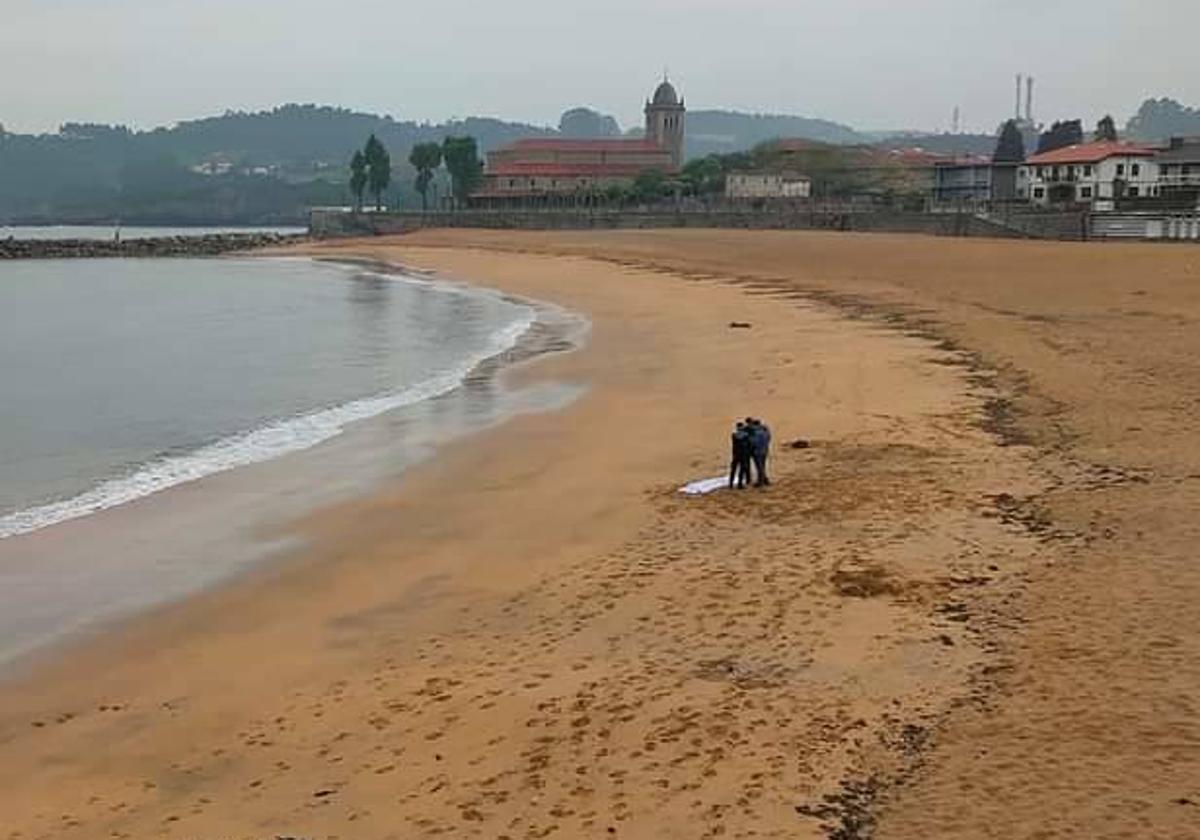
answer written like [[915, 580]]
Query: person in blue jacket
[[760, 448]]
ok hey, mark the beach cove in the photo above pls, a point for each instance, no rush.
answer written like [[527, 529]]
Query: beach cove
[[536, 635]]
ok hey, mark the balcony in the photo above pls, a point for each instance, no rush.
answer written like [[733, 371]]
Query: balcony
[[1178, 179]]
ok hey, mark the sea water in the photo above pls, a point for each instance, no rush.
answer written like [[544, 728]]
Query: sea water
[[119, 378], [162, 420]]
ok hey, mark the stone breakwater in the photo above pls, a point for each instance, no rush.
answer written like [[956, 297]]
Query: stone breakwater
[[164, 246]]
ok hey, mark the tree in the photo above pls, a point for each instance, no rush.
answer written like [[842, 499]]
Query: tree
[[379, 169], [703, 176], [461, 155], [1158, 119], [425, 158], [616, 194], [1010, 147], [584, 122], [358, 178], [1061, 134], [649, 186], [1106, 129]]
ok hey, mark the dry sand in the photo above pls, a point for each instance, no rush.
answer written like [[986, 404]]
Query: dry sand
[[968, 610]]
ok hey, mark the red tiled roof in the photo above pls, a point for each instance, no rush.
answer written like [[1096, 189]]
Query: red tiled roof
[[567, 170], [1089, 153], [599, 144]]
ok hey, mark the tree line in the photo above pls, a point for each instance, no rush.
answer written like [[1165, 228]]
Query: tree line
[[1010, 145], [371, 169]]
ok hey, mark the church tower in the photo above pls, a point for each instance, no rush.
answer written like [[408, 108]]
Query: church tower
[[664, 121]]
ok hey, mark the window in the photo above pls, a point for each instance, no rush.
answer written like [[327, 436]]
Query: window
[[1039, 192], [1133, 192], [1120, 169], [1135, 170], [1186, 169], [1085, 192], [1039, 172], [1087, 172]]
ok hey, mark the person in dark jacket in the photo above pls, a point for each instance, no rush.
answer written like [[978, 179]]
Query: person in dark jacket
[[760, 448], [742, 452]]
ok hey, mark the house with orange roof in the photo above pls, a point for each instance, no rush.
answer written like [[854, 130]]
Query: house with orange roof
[[1095, 174]]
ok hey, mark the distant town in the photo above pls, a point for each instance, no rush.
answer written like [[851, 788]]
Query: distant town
[[1061, 181], [271, 167], [1062, 166]]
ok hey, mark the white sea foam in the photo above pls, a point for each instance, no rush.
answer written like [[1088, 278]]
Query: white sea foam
[[257, 445]]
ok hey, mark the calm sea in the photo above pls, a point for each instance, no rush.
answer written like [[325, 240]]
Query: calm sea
[[119, 378], [164, 424]]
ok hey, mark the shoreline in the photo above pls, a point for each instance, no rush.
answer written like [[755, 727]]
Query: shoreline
[[619, 616], [550, 330]]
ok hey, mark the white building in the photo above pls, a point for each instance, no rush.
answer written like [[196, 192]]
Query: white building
[[750, 185], [1179, 171], [1089, 173]]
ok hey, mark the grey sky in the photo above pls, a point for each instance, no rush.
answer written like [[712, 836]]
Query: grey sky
[[869, 63]]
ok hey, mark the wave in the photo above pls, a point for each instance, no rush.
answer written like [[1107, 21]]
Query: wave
[[257, 445]]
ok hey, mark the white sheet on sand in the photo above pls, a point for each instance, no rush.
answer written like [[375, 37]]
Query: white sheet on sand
[[704, 485]]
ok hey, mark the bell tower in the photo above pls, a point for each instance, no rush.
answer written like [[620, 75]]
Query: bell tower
[[665, 120]]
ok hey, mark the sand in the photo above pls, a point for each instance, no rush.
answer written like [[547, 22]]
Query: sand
[[966, 610]]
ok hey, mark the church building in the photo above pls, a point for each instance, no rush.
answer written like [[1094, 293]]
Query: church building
[[540, 167]]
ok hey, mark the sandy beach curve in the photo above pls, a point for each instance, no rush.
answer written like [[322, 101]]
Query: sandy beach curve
[[535, 635]]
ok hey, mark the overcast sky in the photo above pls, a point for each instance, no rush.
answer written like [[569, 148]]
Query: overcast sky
[[874, 64]]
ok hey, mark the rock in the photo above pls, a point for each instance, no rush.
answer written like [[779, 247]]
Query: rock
[[800, 443], [739, 325], [165, 246]]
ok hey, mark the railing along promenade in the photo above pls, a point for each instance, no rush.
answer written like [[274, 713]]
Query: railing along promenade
[[337, 222]]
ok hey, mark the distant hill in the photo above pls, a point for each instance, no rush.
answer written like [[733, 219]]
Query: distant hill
[[721, 132], [263, 167], [1160, 119], [308, 133], [941, 144]]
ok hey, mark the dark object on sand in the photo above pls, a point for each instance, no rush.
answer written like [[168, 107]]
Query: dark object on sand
[[739, 325], [800, 443]]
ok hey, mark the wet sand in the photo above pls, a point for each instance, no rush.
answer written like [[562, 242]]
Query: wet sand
[[966, 610]]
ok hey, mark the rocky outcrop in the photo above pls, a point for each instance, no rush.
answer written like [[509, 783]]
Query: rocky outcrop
[[163, 246]]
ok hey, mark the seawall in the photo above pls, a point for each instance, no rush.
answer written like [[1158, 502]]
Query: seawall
[[337, 223], [164, 246]]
